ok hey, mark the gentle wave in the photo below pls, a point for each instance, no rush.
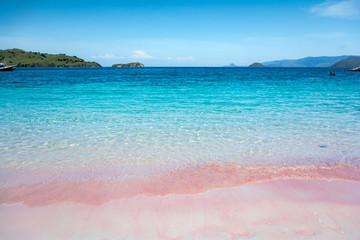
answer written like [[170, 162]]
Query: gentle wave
[[104, 185]]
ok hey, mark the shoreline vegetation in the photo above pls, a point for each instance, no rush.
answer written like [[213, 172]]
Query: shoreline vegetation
[[132, 64], [22, 58]]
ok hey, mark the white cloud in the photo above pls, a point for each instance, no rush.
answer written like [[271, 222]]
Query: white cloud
[[346, 9], [140, 54], [106, 56], [182, 58]]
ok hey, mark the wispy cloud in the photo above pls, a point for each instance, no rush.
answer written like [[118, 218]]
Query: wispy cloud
[[182, 58], [106, 56], [140, 54], [346, 9], [329, 35], [275, 40]]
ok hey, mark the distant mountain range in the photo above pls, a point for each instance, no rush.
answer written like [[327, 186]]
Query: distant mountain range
[[306, 62], [351, 62], [346, 61]]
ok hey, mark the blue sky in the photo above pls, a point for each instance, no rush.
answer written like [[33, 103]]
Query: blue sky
[[183, 33]]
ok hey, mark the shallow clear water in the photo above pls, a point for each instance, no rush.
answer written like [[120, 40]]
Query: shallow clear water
[[136, 153], [61, 118]]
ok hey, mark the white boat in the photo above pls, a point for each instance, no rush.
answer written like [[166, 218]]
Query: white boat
[[357, 69], [5, 67]]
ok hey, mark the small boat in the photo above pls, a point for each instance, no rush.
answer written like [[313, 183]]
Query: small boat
[[357, 69], [4, 67]]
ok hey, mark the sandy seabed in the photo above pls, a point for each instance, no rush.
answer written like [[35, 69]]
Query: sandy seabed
[[277, 209]]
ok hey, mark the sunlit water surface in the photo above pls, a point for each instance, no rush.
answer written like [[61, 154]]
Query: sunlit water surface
[[171, 117]]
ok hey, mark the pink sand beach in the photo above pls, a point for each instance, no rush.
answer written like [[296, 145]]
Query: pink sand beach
[[213, 202]]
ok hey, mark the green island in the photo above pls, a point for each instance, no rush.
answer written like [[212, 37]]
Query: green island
[[256, 65], [133, 64], [22, 58]]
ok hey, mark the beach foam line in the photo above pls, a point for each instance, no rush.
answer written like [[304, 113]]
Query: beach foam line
[[192, 180], [278, 209]]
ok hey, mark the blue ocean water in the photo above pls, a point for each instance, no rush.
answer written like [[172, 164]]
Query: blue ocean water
[[74, 117]]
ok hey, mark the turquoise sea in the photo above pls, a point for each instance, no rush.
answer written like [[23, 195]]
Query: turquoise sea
[[125, 118], [179, 153]]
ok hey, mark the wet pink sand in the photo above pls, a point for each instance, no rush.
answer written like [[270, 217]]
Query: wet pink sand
[[213, 202], [280, 209]]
